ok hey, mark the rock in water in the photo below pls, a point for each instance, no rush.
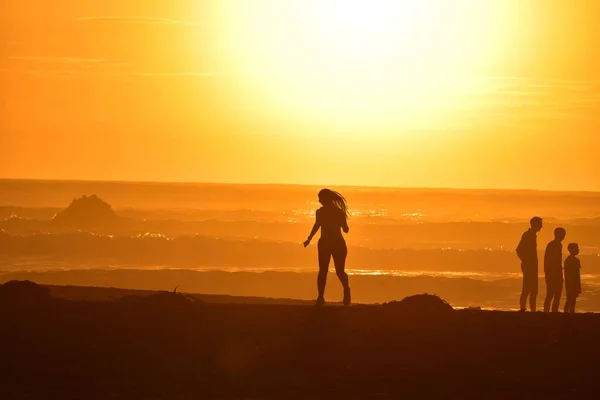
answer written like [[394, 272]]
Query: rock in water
[[86, 211]]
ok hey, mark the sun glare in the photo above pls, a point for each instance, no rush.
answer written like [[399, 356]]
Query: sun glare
[[355, 63]]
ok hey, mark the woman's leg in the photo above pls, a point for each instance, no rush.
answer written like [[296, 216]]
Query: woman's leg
[[339, 260], [324, 258]]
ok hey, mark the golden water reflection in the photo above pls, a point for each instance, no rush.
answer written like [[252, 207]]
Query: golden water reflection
[[296, 214]]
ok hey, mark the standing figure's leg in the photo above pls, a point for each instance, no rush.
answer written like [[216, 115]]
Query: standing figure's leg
[[549, 295], [569, 308], [339, 260], [324, 257], [524, 293], [533, 291], [557, 296]]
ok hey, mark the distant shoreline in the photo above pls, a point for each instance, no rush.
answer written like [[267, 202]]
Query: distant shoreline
[[306, 186], [299, 287]]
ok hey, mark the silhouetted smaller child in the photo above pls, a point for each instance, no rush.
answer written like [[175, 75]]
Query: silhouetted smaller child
[[572, 277]]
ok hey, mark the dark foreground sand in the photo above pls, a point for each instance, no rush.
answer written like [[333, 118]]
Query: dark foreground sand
[[168, 348]]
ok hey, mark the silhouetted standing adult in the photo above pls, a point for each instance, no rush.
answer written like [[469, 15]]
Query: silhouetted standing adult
[[553, 270], [527, 252], [332, 218]]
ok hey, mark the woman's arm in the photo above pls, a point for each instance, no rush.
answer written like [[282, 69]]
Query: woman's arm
[[314, 230], [345, 226]]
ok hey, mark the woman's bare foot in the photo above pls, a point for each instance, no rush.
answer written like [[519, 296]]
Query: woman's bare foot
[[347, 297]]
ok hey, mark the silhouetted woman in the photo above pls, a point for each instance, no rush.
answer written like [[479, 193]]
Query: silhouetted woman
[[332, 218]]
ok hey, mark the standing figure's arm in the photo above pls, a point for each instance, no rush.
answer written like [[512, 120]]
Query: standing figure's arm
[[314, 230], [553, 258], [345, 226], [520, 249], [578, 276]]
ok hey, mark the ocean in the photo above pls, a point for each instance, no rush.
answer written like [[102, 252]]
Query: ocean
[[246, 239]]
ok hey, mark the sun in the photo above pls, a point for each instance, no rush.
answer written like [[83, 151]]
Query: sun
[[377, 32], [355, 63]]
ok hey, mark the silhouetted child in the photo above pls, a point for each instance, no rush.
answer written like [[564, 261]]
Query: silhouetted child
[[572, 277]]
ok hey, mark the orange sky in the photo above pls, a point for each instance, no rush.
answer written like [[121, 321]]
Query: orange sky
[[494, 94]]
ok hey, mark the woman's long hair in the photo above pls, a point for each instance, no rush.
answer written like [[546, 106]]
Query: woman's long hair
[[335, 198]]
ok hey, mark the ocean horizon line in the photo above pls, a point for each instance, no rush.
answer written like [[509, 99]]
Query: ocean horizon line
[[298, 185]]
